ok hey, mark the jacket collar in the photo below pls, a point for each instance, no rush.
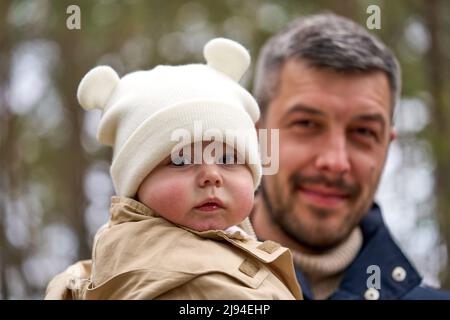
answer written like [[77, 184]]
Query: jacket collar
[[379, 250]]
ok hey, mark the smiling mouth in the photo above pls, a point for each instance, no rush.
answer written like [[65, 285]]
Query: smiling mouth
[[323, 197]]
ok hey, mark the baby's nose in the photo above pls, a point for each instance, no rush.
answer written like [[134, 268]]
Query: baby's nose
[[209, 175]]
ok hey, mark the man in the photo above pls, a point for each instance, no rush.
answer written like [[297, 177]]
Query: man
[[331, 87]]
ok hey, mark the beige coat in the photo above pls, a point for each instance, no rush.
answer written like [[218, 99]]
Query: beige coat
[[140, 255]]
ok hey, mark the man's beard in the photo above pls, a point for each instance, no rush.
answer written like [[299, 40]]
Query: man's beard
[[315, 238]]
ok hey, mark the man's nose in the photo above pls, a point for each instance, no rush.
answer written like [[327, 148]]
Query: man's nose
[[209, 175], [333, 155]]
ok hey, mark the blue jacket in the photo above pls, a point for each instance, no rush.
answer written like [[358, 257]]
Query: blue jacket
[[379, 249]]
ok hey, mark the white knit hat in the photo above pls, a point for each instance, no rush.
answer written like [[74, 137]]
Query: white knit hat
[[142, 109]]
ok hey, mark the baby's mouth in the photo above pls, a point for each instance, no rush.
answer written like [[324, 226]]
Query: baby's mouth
[[211, 204]]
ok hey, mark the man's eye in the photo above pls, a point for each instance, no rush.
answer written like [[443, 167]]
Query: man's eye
[[228, 158], [180, 161], [366, 132], [305, 123]]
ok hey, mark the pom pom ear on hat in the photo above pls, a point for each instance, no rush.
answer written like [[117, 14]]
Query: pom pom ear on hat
[[228, 57], [96, 87]]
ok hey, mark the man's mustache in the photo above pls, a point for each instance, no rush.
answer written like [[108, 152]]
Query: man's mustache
[[298, 180]]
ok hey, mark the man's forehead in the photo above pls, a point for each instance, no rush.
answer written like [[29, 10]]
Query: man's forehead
[[301, 84], [298, 71]]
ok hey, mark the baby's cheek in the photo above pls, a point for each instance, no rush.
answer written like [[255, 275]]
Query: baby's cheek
[[170, 198], [247, 203], [244, 197]]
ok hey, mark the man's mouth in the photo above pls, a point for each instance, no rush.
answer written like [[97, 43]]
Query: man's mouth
[[322, 196], [210, 204]]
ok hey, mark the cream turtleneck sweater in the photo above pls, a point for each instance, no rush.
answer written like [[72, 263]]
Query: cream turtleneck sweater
[[324, 271]]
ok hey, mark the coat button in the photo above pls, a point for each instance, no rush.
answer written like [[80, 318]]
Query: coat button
[[398, 274], [371, 294]]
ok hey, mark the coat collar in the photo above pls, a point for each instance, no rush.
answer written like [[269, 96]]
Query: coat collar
[[380, 250]]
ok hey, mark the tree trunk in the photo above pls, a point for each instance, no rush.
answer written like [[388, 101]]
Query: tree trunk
[[439, 131]]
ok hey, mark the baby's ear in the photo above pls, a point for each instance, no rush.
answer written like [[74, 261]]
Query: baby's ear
[[228, 57], [96, 87]]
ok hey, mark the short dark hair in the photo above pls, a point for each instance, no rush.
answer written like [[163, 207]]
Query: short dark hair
[[324, 41]]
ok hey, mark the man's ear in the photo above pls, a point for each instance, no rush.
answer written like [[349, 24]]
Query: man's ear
[[393, 134]]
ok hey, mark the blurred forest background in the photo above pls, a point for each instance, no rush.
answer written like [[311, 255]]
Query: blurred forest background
[[54, 181]]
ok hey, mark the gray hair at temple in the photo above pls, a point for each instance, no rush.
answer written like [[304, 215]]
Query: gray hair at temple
[[324, 41]]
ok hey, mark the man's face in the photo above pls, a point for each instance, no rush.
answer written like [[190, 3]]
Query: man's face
[[335, 129]]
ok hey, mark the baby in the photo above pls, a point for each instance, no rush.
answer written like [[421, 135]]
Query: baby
[[185, 168]]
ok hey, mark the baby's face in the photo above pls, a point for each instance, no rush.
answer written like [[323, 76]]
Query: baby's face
[[200, 196]]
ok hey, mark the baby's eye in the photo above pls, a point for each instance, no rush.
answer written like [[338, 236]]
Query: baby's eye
[[180, 161], [228, 158]]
